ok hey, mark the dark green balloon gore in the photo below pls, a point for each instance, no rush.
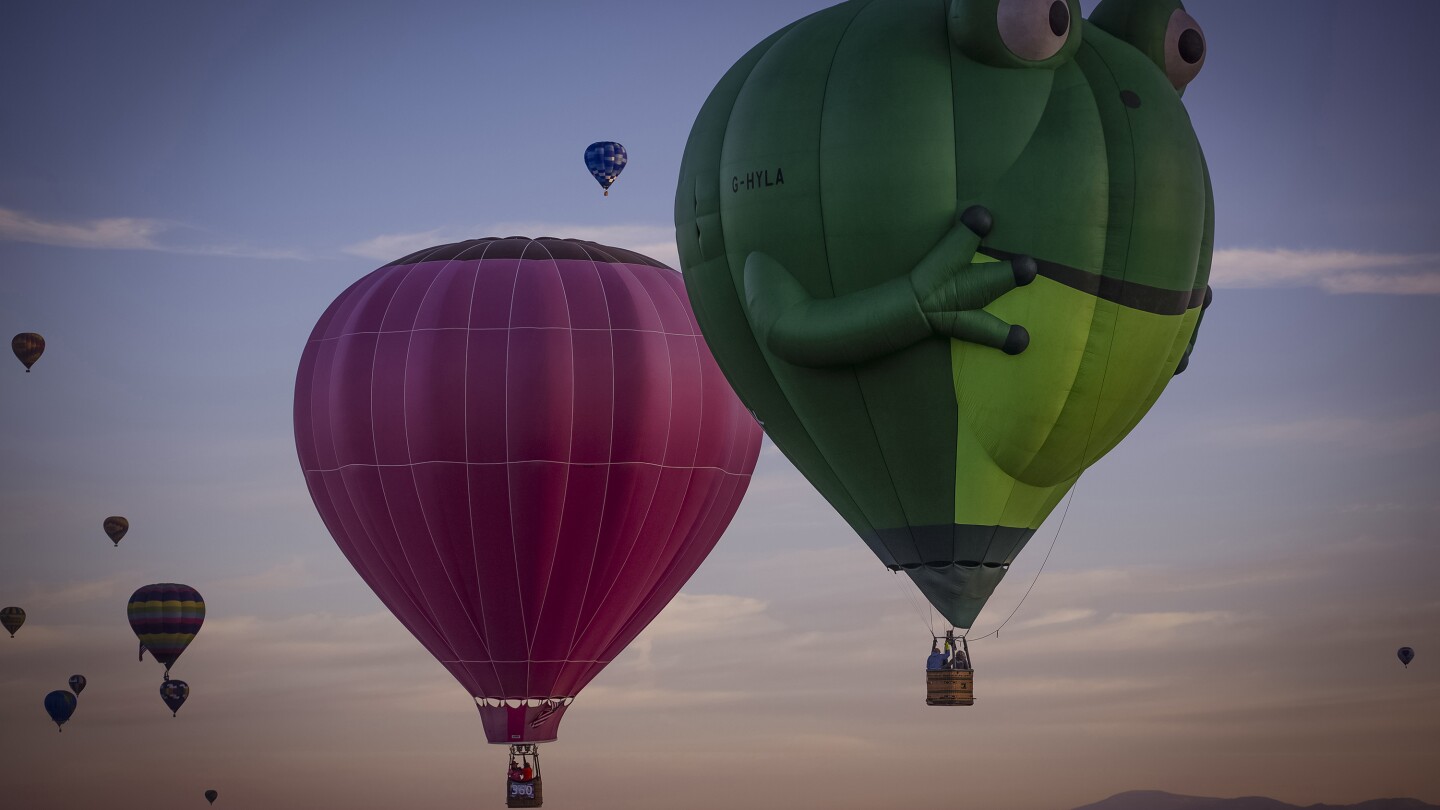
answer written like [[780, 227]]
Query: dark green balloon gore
[[943, 380]]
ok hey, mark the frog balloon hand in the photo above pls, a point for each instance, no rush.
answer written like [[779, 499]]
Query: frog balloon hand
[[953, 288], [944, 294]]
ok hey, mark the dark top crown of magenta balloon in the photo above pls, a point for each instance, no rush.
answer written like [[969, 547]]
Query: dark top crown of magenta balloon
[[523, 247]]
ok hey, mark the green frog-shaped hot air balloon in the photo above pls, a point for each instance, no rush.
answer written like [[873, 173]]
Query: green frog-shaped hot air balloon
[[950, 252]]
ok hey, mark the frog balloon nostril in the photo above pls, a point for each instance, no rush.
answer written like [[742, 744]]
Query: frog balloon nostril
[[1130, 99]]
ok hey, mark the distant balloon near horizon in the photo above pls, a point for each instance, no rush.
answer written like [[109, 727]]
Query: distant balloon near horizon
[[605, 160], [11, 618], [212, 795], [60, 705], [174, 693], [1406, 655], [524, 447], [165, 617], [28, 346], [115, 528], [77, 684]]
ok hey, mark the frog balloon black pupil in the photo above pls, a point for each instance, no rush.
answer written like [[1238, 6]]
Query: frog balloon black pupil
[[1192, 45], [1060, 19]]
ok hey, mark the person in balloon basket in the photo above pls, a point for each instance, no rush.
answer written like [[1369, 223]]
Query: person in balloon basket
[[959, 660], [937, 660], [527, 773], [515, 773]]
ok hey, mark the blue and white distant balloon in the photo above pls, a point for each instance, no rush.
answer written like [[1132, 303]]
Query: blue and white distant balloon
[[77, 684], [1406, 655], [605, 160]]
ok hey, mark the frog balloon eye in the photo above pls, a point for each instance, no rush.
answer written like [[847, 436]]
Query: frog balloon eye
[[1033, 30], [1184, 49]]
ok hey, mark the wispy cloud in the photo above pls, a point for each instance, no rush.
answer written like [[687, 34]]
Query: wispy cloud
[[1340, 272], [127, 233], [1419, 430], [655, 241]]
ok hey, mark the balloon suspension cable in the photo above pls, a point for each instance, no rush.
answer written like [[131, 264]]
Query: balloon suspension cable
[[926, 613], [1053, 541]]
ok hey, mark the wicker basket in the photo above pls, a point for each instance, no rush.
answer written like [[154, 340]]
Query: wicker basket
[[950, 687]]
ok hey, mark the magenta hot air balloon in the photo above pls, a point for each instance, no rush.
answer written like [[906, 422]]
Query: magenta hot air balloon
[[525, 449]]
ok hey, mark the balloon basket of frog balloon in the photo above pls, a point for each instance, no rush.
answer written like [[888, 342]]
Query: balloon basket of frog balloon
[[950, 687]]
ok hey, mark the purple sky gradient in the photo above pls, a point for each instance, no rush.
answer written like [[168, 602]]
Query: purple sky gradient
[[184, 187]]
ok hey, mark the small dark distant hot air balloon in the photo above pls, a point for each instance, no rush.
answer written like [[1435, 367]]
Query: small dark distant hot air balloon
[[115, 528], [28, 346], [1406, 655], [212, 795], [77, 684], [11, 618], [60, 705], [174, 693], [605, 160], [166, 618]]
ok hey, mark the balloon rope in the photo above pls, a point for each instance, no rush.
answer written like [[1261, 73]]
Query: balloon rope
[[927, 621], [1053, 540]]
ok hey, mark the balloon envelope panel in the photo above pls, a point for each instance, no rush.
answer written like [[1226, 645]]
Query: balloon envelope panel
[[524, 448]]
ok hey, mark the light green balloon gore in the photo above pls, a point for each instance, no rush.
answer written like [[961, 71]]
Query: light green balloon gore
[[818, 221]]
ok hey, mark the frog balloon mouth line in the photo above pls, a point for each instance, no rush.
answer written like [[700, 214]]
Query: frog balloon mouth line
[[1130, 294]]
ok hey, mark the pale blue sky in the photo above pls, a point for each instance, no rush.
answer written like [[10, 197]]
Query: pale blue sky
[[185, 186]]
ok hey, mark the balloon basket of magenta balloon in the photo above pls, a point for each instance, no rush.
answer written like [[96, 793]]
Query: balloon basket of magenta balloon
[[522, 790], [954, 683]]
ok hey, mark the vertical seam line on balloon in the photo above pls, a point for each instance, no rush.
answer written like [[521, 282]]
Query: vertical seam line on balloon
[[655, 581], [609, 462], [820, 451], [740, 292], [405, 588], [569, 459], [469, 500], [385, 495], [509, 487], [640, 531], [825, 244], [410, 458], [698, 525]]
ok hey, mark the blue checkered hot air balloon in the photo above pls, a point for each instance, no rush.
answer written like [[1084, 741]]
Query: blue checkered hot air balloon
[[605, 160]]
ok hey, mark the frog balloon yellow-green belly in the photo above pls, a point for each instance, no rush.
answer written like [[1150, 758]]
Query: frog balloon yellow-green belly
[[851, 151]]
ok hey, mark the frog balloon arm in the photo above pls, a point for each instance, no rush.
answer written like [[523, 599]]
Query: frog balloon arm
[[944, 294]]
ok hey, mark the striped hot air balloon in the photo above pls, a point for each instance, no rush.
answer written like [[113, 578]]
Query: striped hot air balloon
[[166, 618], [11, 618]]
